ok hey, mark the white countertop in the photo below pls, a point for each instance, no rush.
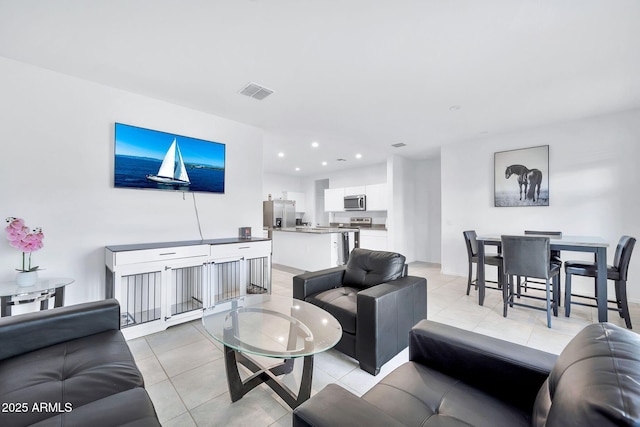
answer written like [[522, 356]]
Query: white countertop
[[317, 230]]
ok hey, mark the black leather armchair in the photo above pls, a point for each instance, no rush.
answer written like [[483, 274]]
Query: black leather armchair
[[460, 378], [374, 300]]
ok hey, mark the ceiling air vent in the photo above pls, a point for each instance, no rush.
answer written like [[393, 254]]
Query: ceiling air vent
[[399, 144], [341, 160], [256, 91]]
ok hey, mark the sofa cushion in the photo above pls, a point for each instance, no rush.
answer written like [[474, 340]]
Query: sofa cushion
[[596, 380], [367, 268], [341, 303], [416, 395], [129, 408], [74, 373]]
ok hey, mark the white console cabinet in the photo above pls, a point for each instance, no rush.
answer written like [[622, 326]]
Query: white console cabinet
[[162, 284]]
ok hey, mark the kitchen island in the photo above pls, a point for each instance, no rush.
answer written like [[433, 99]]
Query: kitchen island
[[312, 249]]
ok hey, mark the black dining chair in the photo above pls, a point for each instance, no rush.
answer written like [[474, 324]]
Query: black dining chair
[[489, 259], [529, 256], [555, 258], [616, 272]]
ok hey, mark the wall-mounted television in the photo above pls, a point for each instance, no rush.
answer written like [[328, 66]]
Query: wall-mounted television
[[151, 159]]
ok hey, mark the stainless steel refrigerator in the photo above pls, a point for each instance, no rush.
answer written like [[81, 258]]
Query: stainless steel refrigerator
[[278, 213]]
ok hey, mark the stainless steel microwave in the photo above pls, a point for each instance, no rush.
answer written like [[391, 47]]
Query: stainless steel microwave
[[355, 203]]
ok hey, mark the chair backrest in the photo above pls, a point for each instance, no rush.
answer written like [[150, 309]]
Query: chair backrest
[[526, 256], [544, 233], [472, 243], [367, 268], [623, 255]]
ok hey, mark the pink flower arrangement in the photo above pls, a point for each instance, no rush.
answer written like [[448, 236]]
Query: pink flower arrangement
[[21, 237]]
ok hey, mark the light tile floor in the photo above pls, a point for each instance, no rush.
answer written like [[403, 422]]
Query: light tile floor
[[184, 370]]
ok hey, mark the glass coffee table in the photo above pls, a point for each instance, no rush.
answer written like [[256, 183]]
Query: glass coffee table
[[275, 327]]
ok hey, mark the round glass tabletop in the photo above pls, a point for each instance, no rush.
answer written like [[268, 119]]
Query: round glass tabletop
[[9, 289], [272, 325]]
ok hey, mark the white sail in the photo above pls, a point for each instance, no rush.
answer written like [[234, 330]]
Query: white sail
[[180, 172], [172, 169], [168, 163]]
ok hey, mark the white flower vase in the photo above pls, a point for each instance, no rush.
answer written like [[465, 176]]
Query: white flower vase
[[27, 278]]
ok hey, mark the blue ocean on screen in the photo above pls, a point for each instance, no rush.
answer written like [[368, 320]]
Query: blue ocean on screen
[[131, 172]]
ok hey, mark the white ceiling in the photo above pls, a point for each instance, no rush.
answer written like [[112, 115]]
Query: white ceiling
[[354, 75]]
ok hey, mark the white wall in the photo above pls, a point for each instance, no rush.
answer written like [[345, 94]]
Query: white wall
[[373, 174], [56, 169], [428, 211], [275, 184], [594, 187]]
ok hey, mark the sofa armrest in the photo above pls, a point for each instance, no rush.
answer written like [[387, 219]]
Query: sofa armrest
[[385, 315], [317, 281], [335, 406], [509, 371], [32, 331]]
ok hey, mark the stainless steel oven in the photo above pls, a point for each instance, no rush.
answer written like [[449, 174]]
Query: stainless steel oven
[[355, 203]]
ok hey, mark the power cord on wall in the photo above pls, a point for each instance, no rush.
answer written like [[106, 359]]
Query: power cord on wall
[[195, 207]]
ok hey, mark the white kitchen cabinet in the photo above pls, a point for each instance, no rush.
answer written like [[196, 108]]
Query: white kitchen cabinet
[[334, 200], [377, 199], [299, 198], [373, 239], [354, 191], [162, 284]]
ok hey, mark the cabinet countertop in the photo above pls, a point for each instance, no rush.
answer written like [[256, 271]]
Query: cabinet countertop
[[159, 245], [316, 230]]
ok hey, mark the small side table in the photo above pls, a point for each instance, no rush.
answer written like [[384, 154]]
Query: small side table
[[45, 288]]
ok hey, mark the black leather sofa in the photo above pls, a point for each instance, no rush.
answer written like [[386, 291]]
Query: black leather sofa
[[374, 300], [70, 366], [460, 378]]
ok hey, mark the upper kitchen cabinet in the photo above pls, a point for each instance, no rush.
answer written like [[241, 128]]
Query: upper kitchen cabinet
[[377, 199], [334, 199], [299, 198], [354, 191]]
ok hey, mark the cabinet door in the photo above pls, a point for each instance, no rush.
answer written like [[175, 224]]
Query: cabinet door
[[376, 240], [377, 197], [185, 286], [139, 290], [354, 191], [334, 200]]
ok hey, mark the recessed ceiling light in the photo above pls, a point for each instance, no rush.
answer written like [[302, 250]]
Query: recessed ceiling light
[[281, 154], [314, 144], [324, 163], [297, 169], [358, 156]]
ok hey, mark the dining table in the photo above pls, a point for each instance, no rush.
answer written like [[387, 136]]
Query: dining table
[[594, 244]]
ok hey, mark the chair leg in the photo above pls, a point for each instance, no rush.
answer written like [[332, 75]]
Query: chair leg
[[505, 295], [621, 288], [519, 285], [556, 294], [469, 280], [567, 295], [618, 298], [500, 277], [559, 300], [548, 287]]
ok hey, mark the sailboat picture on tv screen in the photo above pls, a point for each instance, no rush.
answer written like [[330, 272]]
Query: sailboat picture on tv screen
[[146, 158]]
